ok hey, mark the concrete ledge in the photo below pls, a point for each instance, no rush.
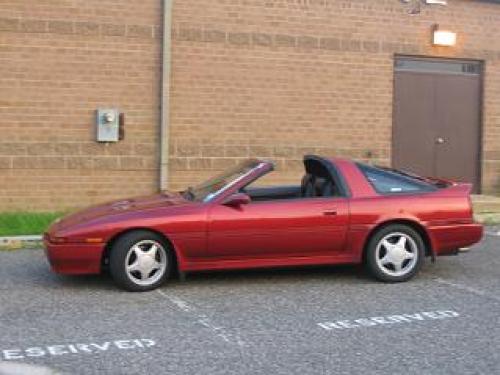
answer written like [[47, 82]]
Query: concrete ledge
[[20, 242], [24, 369], [486, 204], [488, 218]]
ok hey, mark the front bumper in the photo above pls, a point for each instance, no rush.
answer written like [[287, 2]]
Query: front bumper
[[74, 258]]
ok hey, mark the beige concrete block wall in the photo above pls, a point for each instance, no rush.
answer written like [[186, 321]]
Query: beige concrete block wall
[[277, 79], [262, 78], [59, 61]]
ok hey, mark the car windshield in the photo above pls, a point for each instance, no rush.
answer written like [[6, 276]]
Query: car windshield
[[207, 190]]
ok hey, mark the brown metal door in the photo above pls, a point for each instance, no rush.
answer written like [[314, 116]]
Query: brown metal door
[[458, 131], [413, 132], [436, 130]]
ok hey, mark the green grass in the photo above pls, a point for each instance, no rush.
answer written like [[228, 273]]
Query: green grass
[[25, 223]]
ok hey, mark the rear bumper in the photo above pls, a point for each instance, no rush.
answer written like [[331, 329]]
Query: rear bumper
[[74, 259], [448, 239]]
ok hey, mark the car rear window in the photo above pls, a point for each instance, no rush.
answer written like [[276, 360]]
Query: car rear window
[[391, 182]]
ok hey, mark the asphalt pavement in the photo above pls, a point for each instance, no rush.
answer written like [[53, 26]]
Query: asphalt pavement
[[326, 320]]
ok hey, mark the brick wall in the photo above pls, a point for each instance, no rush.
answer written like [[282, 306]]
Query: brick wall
[[59, 61], [277, 79], [262, 78]]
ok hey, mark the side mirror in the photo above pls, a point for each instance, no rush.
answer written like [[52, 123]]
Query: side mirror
[[237, 199]]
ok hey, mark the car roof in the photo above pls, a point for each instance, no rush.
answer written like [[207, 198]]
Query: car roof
[[328, 159]]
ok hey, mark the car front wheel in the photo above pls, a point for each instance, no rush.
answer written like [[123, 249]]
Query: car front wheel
[[395, 253], [140, 261]]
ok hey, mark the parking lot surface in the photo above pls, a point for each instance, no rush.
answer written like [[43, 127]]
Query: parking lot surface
[[327, 320]]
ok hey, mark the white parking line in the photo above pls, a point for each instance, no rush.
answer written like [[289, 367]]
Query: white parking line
[[203, 319], [469, 289], [492, 233]]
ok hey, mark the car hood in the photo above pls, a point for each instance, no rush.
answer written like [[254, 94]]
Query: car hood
[[120, 206]]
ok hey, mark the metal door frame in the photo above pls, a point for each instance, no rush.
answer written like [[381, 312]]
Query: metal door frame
[[481, 64]]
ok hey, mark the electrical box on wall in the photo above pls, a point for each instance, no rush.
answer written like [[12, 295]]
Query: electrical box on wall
[[108, 125]]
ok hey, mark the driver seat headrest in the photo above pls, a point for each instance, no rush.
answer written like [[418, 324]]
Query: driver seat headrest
[[307, 186], [323, 187]]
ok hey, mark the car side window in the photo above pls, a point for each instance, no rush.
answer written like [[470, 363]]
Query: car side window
[[386, 182]]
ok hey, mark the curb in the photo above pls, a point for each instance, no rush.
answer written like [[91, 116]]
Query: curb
[[20, 242], [488, 219], [24, 369]]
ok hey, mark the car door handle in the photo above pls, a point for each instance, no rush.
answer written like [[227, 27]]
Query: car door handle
[[332, 212]]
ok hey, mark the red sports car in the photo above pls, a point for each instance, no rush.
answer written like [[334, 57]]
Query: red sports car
[[341, 212]]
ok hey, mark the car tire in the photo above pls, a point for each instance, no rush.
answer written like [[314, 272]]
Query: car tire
[[140, 261], [395, 253]]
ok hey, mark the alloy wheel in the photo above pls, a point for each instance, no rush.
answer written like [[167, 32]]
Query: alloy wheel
[[146, 262], [396, 254]]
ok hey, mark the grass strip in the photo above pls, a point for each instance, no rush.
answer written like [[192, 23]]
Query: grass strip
[[26, 223]]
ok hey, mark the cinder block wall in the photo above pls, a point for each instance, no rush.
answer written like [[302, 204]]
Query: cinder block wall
[[59, 61], [277, 79], [262, 78]]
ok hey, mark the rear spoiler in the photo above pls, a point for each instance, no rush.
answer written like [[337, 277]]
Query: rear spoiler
[[454, 188], [440, 182]]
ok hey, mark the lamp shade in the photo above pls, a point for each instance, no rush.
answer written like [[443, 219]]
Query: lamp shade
[[444, 38]]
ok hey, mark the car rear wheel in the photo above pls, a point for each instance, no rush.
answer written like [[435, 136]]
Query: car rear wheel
[[140, 261], [395, 253]]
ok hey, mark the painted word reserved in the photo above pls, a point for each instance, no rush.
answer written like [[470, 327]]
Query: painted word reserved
[[92, 348], [390, 319]]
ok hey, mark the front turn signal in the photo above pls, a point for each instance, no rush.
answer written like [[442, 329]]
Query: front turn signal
[[93, 240]]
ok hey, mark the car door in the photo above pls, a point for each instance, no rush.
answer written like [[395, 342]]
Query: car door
[[279, 228]]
